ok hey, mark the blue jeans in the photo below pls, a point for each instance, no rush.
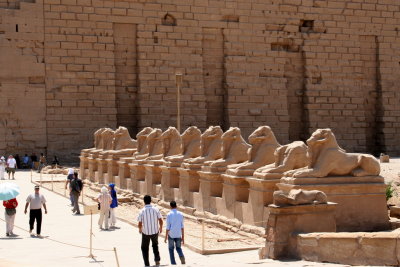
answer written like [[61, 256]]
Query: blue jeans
[[174, 242]]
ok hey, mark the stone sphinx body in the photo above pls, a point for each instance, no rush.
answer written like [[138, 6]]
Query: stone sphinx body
[[123, 144], [191, 146], [154, 145], [288, 157], [142, 142], [171, 144], [328, 159], [211, 147], [299, 197], [261, 153], [234, 149], [107, 137]]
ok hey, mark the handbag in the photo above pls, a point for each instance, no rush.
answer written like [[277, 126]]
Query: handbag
[[11, 212]]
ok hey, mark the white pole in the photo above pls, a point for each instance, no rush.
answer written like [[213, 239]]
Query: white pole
[[202, 236], [52, 186], [116, 256], [40, 179], [31, 176], [91, 234]]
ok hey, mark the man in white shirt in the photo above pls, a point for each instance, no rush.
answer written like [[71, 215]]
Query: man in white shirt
[[11, 166], [35, 201], [150, 225]]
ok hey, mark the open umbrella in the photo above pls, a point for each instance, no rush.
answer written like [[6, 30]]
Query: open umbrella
[[8, 191]]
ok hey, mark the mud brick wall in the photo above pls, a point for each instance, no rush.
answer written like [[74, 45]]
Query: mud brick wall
[[295, 65], [22, 79]]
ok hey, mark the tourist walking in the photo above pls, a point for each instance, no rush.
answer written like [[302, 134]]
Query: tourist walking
[[42, 162], [76, 188], [175, 233], [113, 205], [2, 167], [104, 200], [70, 176], [35, 202], [10, 212], [150, 225], [11, 166]]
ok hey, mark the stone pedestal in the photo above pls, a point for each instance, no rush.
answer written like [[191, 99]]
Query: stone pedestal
[[260, 196], [235, 193], [138, 174], [112, 169], [169, 182], [189, 183], [361, 200], [83, 166], [92, 164], [102, 165], [124, 171], [210, 188], [285, 222], [153, 178], [92, 169]]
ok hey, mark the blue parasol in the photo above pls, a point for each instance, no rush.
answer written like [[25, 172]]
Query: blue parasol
[[8, 191]]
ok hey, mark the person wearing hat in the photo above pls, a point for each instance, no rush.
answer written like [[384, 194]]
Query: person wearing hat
[[105, 200], [2, 167], [35, 201], [113, 205]]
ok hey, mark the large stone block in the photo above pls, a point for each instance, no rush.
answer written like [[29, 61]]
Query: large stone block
[[361, 200]]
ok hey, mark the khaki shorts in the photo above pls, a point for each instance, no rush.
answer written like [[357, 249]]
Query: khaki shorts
[[10, 170]]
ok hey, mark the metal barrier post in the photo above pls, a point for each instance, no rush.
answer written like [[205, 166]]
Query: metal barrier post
[[116, 256], [202, 236]]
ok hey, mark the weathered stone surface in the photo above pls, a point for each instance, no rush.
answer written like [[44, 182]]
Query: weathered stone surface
[[77, 68], [263, 144], [380, 248], [361, 200], [328, 159], [288, 157], [285, 222]]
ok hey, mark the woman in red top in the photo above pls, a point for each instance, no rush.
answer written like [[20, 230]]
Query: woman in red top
[[10, 206]]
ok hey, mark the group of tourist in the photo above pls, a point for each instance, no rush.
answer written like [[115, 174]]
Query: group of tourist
[[150, 219], [9, 166], [35, 202], [14, 162], [151, 224]]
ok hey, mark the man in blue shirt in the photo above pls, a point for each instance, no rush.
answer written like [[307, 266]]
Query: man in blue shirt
[[175, 233]]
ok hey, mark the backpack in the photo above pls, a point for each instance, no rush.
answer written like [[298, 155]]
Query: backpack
[[76, 185]]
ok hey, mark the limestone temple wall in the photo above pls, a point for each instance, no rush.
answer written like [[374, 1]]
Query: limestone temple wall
[[75, 66]]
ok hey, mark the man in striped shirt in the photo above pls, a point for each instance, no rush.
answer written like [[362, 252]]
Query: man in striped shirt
[[150, 224]]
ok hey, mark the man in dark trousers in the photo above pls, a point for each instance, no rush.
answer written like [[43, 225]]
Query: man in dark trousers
[[150, 225], [76, 188], [35, 201]]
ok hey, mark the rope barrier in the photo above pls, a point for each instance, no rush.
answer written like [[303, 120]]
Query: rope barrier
[[61, 242]]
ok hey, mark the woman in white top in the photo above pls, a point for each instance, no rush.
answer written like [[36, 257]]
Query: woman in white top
[[2, 167], [104, 199]]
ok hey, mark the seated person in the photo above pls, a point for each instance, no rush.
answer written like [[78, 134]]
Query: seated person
[[34, 161], [55, 161], [25, 161]]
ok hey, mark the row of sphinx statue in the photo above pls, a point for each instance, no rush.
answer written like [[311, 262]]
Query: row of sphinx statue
[[262, 156]]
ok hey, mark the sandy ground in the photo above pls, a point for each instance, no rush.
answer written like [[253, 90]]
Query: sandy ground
[[66, 241], [391, 172]]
